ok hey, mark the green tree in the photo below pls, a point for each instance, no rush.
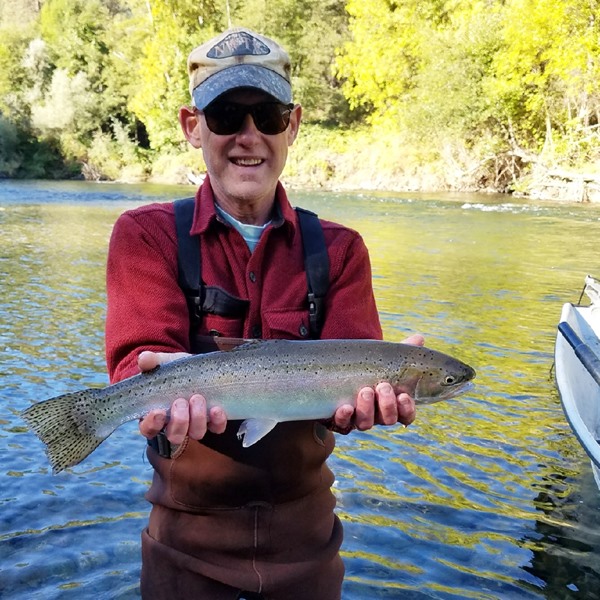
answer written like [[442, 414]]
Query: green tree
[[172, 28], [447, 94], [10, 158], [378, 65], [14, 43], [82, 40], [546, 74]]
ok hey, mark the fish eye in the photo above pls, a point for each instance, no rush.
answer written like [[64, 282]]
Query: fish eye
[[450, 379]]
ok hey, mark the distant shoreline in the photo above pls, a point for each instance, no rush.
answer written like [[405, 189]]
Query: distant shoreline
[[556, 186]]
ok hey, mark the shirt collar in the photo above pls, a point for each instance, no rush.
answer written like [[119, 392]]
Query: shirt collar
[[205, 215]]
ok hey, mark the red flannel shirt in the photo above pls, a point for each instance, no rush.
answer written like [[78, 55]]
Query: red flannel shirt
[[147, 310]]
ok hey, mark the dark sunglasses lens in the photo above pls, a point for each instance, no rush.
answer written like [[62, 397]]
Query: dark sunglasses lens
[[227, 118], [271, 119]]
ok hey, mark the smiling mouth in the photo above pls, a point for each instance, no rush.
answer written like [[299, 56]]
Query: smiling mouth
[[247, 162]]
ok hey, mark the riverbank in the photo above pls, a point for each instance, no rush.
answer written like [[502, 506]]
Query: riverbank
[[357, 159], [370, 159]]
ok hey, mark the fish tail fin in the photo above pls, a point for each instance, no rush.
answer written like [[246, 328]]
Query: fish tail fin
[[60, 424]]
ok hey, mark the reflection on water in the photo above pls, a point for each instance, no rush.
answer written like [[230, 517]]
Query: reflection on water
[[486, 496]]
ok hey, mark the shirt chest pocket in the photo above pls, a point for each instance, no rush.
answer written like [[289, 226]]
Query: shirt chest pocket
[[292, 324]]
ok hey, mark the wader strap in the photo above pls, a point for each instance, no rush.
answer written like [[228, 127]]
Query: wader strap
[[187, 246], [316, 265], [200, 297]]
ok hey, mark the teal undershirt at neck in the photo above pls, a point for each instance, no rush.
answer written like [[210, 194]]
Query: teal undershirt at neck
[[250, 233]]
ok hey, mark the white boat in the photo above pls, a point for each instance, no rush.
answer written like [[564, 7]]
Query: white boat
[[577, 364]]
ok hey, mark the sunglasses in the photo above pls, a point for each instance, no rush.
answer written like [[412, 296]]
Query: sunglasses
[[227, 118]]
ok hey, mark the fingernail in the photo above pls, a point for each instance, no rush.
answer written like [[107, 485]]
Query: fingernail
[[348, 412], [386, 388], [180, 404], [402, 399], [368, 394]]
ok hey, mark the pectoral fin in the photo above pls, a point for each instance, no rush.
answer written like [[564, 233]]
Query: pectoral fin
[[252, 430]]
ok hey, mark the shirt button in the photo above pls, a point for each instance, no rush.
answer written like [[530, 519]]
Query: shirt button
[[256, 331], [252, 277], [303, 331]]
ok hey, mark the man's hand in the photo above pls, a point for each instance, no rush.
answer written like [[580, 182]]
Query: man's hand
[[187, 417], [379, 406]]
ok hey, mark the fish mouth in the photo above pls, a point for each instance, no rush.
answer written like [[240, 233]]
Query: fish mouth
[[455, 391], [446, 394]]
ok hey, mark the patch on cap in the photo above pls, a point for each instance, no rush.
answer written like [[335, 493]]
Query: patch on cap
[[238, 43]]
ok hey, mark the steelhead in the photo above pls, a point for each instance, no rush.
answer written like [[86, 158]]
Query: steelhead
[[260, 382]]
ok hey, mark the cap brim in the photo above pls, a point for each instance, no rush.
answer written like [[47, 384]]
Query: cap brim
[[242, 76]]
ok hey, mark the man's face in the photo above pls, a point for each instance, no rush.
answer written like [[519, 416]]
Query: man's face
[[244, 166]]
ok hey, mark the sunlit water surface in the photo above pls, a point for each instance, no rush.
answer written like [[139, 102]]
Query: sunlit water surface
[[486, 496]]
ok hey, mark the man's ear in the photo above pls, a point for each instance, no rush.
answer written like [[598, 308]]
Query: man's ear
[[189, 120], [295, 118]]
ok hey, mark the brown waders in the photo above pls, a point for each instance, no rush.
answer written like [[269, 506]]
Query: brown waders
[[270, 530]]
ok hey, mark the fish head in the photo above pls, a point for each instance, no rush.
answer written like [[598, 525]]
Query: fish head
[[443, 381], [430, 376]]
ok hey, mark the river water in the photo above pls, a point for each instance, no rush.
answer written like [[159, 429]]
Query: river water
[[485, 496]]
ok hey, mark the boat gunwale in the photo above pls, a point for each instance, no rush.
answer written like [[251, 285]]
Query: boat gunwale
[[591, 362]]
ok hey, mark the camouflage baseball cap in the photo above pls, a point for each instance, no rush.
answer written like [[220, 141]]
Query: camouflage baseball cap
[[238, 58]]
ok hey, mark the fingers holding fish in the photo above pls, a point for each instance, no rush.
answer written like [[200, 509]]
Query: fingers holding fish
[[217, 420], [194, 421], [364, 416], [391, 408], [202, 420], [343, 419], [383, 407], [152, 424], [186, 419], [179, 422], [407, 410], [386, 408], [148, 360], [416, 339], [379, 406]]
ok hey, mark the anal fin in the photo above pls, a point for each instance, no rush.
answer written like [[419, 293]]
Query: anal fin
[[253, 430]]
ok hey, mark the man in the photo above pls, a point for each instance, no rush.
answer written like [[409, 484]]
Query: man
[[229, 522]]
